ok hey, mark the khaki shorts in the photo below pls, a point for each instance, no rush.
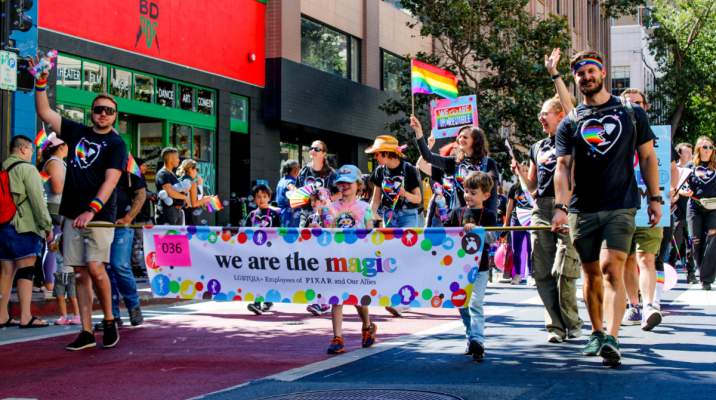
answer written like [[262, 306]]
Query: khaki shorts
[[89, 244], [592, 232], [647, 240]]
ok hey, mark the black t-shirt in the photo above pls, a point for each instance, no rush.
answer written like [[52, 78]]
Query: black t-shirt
[[263, 218], [447, 181], [126, 186], [91, 154], [478, 216], [544, 156], [390, 181], [604, 156], [501, 206], [521, 201], [461, 170], [309, 176], [162, 178], [683, 202], [703, 181]]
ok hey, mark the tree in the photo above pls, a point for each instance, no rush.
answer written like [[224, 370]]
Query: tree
[[682, 44]]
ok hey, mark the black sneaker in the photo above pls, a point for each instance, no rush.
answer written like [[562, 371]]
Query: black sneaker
[[477, 350], [255, 308], [135, 316], [84, 340], [111, 334], [468, 352], [267, 307], [706, 286], [100, 328], [691, 278]]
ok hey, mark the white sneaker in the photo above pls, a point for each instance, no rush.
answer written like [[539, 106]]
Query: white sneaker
[[395, 311], [516, 280], [652, 318], [553, 337], [574, 334], [531, 281]]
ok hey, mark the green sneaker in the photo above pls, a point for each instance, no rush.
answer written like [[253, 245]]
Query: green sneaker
[[594, 344], [610, 352]]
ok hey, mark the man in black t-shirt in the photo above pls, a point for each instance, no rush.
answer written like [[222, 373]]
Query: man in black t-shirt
[[394, 178], [598, 139], [165, 179], [97, 158]]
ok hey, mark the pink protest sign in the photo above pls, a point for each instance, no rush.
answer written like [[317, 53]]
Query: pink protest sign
[[449, 116], [172, 251]]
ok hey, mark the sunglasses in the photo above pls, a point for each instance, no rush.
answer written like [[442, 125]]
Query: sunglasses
[[108, 110], [545, 114], [707, 147], [317, 149]]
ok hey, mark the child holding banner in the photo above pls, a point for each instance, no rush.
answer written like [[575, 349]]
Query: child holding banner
[[477, 189], [350, 212], [262, 217]]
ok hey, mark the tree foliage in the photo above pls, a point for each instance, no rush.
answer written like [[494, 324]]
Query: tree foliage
[[682, 44]]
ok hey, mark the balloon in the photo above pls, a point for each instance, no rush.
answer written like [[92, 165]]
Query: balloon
[[670, 277], [500, 258]]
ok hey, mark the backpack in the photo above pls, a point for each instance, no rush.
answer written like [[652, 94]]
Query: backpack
[[7, 204], [574, 121]]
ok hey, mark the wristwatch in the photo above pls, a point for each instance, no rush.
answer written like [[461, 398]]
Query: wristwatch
[[556, 76], [562, 207], [658, 199]]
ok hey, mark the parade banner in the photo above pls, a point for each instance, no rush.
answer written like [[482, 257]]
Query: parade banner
[[433, 267], [449, 116], [662, 147]]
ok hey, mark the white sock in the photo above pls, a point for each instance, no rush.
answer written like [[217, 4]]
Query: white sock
[[657, 293]]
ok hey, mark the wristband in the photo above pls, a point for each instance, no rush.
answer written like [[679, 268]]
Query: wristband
[[96, 205], [41, 86], [556, 76]]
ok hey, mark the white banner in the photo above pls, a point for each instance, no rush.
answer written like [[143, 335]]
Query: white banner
[[432, 267]]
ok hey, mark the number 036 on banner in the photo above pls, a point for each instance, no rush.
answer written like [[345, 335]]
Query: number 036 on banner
[[172, 250]]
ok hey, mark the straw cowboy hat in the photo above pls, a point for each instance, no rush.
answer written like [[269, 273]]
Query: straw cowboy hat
[[386, 143]]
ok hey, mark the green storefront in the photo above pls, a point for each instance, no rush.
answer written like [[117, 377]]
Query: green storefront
[[154, 112]]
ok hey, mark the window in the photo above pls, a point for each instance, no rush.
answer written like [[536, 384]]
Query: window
[[559, 8], [396, 4], [329, 50], [72, 113], [205, 101], [238, 108], [186, 101], [165, 93], [393, 68], [620, 79], [202, 145], [289, 151], [120, 83], [143, 88], [180, 139], [68, 72], [574, 13], [95, 77]]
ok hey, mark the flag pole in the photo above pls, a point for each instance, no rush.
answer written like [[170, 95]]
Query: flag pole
[[412, 93]]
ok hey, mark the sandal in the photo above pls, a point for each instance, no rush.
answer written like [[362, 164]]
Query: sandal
[[31, 325], [9, 323]]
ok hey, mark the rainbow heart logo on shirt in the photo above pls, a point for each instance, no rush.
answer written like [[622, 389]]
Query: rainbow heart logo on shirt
[[86, 153], [547, 158], [601, 134], [704, 175]]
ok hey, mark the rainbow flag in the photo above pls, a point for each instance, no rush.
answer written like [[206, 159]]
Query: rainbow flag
[[214, 204], [44, 177], [660, 277], [432, 80], [133, 167], [41, 140]]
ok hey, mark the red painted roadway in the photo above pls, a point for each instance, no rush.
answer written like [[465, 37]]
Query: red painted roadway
[[186, 355]]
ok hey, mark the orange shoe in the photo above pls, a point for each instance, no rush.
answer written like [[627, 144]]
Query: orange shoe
[[369, 335], [337, 346]]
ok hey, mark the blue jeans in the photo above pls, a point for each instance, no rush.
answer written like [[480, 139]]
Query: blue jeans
[[402, 218], [119, 270], [473, 316]]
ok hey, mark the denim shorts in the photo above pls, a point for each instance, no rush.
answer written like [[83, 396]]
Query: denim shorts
[[16, 246]]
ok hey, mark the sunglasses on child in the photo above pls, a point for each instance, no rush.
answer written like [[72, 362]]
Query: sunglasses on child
[[107, 110]]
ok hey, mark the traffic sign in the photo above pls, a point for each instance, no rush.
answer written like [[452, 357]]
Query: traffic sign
[[8, 70]]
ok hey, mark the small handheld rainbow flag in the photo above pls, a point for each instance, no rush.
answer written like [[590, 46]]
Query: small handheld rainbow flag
[[133, 167], [214, 204], [428, 79], [41, 140], [44, 177]]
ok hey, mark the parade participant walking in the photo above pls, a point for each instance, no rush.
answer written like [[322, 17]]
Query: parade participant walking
[[473, 155], [478, 186], [21, 233], [521, 246], [189, 171], [555, 264], [317, 173], [262, 217], [54, 166], [702, 211], [350, 212], [98, 158], [289, 170], [131, 195], [447, 181], [145, 217], [681, 251], [165, 178], [397, 196], [598, 139]]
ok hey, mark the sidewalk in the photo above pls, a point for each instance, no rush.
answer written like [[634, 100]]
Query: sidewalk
[[47, 307]]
